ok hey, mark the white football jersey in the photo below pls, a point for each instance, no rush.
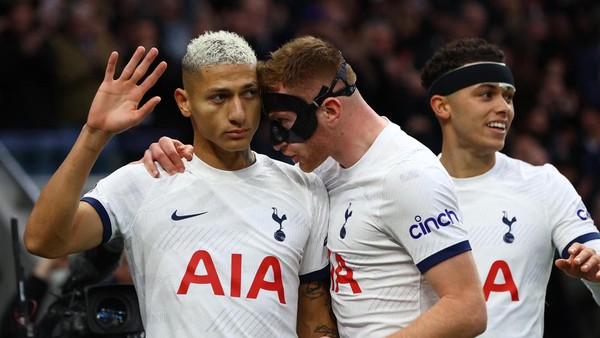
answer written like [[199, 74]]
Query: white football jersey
[[516, 215], [218, 253], [393, 215]]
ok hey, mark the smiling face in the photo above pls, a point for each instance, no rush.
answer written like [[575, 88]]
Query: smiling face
[[224, 105], [479, 117]]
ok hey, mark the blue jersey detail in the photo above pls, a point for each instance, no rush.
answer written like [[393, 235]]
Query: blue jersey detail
[[581, 239], [441, 256], [315, 275], [107, 229]]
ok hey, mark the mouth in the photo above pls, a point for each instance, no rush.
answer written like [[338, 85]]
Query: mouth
[[293, 157], [497, 125], [238, 133]]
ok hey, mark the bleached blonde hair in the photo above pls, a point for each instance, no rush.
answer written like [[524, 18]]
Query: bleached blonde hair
[[217, 48]]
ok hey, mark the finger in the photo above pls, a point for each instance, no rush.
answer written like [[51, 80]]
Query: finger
[[151, 79], [157, 154], [132, 64], [147, 108], [149, 164], [170, 150], [584, 255], [186, 151], [592, 261], [143, 67], [575, 248], [567, 267], [111, 65]]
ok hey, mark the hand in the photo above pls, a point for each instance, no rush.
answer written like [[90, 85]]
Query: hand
[[115, 106], [168, 153], [583, 262]]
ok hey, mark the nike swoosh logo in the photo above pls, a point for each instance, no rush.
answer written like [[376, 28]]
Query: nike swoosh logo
[[176, 217]]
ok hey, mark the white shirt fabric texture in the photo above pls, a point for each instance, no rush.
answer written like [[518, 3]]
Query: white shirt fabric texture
[[517, 215], [218, 253], [393, 215]]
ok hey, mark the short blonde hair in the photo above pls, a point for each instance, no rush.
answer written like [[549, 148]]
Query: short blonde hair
[[217, 48]]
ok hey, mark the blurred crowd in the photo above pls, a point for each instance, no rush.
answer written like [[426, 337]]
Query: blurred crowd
[[53, 55]]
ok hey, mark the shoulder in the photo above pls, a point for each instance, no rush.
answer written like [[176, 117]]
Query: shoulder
[[134, 178], [292, 174], [524, 171]]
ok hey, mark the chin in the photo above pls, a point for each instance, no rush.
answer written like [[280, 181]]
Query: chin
[[307, 168], [237, 145]]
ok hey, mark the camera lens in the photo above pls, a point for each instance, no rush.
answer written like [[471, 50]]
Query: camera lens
[[111, 313]]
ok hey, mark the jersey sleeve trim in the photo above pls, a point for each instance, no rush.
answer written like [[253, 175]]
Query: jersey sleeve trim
[[315, 275], [441, 256], [581, 239], [107, 229]]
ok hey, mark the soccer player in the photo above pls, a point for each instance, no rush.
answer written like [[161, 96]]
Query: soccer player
[[401, 264], [516, 214], [233, 246]]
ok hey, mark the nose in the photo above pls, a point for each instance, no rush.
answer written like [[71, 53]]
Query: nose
[[503, 105], [279, 146], [237, 112]]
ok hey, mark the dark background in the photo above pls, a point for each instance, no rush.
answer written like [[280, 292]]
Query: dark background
[[53, 55]]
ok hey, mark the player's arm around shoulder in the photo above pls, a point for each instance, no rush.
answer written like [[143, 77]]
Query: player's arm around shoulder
[[315, 317]]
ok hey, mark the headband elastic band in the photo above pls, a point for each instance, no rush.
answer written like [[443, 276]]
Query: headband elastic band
[[469, 75]]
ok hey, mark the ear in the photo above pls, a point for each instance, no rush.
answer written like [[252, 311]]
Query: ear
[[330, 110], [440, 106], [183, 102]]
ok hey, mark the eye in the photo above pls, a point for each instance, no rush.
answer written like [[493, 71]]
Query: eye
[[286, 123], [251, 93], [218, 98], [486, 95], [283, 120], [509, 97]]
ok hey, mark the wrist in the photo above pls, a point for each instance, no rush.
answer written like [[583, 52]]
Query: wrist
[[94, 139]]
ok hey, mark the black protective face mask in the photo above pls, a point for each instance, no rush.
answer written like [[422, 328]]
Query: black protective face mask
[[306, 120]]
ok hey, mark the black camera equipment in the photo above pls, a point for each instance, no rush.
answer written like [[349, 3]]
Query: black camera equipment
[[25, 327], [88, 306], [101, 310]]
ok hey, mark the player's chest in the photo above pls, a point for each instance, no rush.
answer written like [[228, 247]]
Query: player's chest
[[219, 221], [504, 222]]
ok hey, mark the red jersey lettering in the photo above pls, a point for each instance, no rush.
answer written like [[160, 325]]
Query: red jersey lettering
[[259, 281], [211, 276], [509, 285], [342, 274]]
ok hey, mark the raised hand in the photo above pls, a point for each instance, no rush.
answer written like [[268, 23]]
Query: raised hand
[[115, 107], [583, 262]]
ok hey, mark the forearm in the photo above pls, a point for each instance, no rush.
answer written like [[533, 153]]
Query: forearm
[[451, 317], [315, 318], [52, 221]]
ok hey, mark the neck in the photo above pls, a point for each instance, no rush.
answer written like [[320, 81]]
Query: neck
[[360, 127], [226, 160], [463, 163]]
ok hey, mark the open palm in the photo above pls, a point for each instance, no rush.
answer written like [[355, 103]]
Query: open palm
[[116, 106]]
